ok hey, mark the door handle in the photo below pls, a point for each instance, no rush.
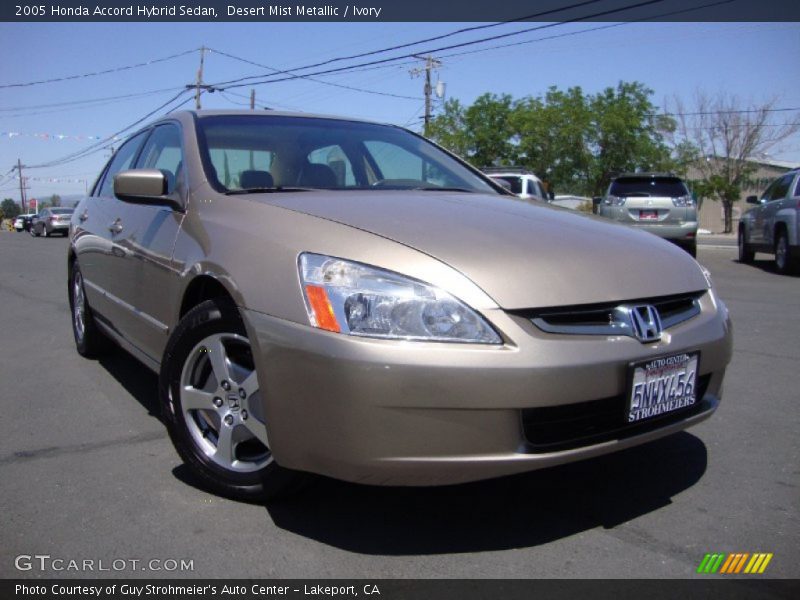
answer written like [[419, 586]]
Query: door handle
[[84, 215], [116, 226]]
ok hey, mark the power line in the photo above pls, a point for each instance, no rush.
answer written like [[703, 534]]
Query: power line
[[102, 144], [233, 83], [96, 73], [417, 42], [722, 112], [301, 76], [591, 29], [87, 100]]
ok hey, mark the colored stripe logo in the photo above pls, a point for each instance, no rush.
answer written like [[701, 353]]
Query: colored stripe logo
[[736, 562]]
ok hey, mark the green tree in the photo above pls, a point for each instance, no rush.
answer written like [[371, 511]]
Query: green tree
[[626, 136], [10, 208], [574, 141], [552, 134], [55, 200], [481, 133]]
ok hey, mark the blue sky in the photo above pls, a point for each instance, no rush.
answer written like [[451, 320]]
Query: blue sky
[[756, 61]]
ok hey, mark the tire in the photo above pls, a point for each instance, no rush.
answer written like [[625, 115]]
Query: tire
[[746, 253], [44, 231], [211, 405], [783, 259], [90, 342]]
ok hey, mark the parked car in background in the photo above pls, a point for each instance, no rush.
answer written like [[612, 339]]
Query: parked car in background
[[655, 202], [23, 222], [50, 221], [521, 182], [773, 226], [345, 298]]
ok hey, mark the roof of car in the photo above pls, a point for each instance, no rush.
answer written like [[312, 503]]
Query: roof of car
[[652, 175], [268, 113]]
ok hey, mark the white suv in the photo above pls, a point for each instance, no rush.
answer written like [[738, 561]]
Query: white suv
[[520, 182]]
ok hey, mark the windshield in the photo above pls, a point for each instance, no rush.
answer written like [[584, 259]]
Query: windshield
[[243, 152], [668, 187], [62, 211]]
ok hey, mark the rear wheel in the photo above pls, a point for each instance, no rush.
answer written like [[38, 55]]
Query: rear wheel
[[44, 231], [213, 409], [89, 340], [746, 253]]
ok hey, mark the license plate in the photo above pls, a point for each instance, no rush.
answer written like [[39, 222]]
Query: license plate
[[648, 215], [662, 385]]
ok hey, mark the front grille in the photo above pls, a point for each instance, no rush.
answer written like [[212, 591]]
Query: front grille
[[607, 318], [554, 428]]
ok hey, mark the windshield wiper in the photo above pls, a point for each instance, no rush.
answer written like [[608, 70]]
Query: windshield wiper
[[435, 188], [266, 190]]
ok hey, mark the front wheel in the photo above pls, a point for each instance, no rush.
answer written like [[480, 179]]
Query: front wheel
[[746, 254], [212, 406]]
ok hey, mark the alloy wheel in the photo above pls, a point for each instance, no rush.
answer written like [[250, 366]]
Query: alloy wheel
[[221, 403], [78, 306]]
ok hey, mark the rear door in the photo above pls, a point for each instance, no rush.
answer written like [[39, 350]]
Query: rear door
[[780, 191], [764, 214], [97, 237]]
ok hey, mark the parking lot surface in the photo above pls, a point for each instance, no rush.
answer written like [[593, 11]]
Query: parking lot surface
[[89, 473]]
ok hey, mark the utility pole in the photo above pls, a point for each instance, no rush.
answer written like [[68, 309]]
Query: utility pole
[[252, 99], [21, 188], [430, 64], [199, 85]]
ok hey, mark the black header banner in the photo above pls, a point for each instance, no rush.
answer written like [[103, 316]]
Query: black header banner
[[367, 11]]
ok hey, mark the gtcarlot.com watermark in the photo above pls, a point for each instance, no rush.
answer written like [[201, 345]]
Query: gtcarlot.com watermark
[[47, 563]]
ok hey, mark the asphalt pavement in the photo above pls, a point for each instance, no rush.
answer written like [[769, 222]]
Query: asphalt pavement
[[88, 472]]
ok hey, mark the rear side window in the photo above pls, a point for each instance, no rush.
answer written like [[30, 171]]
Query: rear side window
[[122, 160], [669, 187]]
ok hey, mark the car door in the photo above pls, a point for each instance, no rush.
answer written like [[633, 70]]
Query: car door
[[779, 194], [96, 239], [756, 233], [149, 241]]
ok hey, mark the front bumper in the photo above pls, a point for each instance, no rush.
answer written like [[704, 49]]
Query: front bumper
[[411, 413]]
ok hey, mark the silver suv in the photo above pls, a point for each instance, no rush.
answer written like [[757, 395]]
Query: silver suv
[[658, 203], [774, 225]]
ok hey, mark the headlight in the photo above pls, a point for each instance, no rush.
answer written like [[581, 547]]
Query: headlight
[[353, 298], [614, 200], [707, 275], [683, 201]]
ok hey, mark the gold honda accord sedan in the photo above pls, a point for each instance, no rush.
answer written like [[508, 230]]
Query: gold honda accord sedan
[[332, 296]]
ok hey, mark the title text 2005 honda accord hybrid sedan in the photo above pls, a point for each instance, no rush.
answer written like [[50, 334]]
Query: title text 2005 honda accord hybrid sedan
[[332, 296]]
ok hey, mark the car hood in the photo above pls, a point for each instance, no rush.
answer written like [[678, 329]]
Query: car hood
[[522, 254]]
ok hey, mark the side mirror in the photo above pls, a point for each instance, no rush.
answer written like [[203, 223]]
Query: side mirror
[[144, 186], [752, 200]]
